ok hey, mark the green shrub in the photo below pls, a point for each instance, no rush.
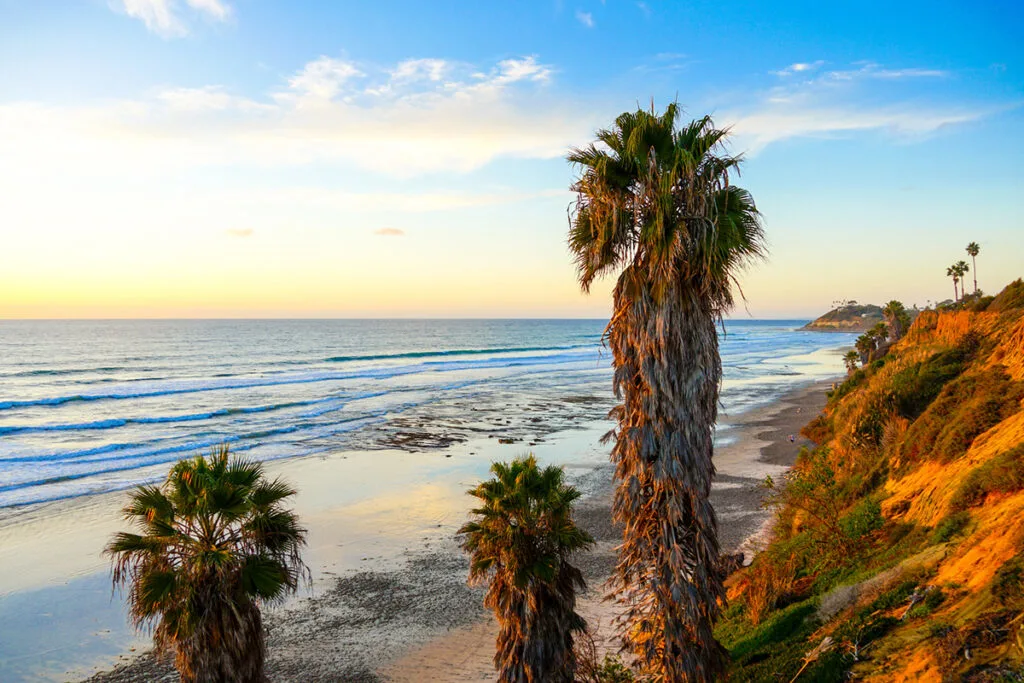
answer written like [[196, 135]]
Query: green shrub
[[1010, 298], [864, 518], [776, 645], [914, 388], [982, 303], [848, 385], [952, 525], [1002, 474], [966, 408], [1008, 584], [611, 670]]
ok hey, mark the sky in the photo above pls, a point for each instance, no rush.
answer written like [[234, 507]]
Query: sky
[[257, 158]]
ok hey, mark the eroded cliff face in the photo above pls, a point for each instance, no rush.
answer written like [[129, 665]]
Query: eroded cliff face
[[899, 540]]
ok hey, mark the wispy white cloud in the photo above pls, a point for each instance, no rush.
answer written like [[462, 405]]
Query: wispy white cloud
[[322, 79], [164, 17], [389, 232], [413, 117], [240, 232], [873, 70], [841, 102], [799, 67], [417, 69], [585, 18]]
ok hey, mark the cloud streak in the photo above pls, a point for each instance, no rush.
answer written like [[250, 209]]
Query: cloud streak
[[415, 117], [389, 232], [164, 17], [841, 102], [585, 18]]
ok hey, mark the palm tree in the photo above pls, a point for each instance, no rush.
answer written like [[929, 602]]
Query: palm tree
[[215, 543], [896, 318], [973, 250], [961, 270], [850, 361], [955, 274], [865, 345], [655, 204], [520, 541]]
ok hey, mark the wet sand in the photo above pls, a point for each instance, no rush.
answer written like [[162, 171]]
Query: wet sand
[[409, 616]]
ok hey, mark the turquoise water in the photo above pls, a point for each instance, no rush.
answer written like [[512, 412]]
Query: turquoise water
[[94, 406]]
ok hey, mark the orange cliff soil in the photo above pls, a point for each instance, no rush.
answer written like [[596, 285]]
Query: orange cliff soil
[[901, 536]]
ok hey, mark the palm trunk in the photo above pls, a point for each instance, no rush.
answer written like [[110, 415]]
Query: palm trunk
[[974, 270], [537, 628], [667, 372], [229, 647]]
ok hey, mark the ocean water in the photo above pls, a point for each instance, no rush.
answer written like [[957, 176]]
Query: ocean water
[[94, 406]]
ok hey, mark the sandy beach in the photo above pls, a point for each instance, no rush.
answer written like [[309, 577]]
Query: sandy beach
[[405, 613]]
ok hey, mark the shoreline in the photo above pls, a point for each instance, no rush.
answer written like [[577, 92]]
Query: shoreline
[[418, 620]]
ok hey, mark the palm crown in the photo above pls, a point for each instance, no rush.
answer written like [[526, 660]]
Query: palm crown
[[657, 201], [520, 540], [214, 542]]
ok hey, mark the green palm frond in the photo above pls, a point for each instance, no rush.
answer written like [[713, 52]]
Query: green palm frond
[[658, 204], [215, 543], [520, 538]]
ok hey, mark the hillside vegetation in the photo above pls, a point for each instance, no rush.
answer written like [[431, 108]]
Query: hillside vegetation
[[850, 317], [898, 542]]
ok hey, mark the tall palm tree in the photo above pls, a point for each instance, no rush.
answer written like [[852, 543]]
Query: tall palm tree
[[655, 204], [214, 544], [961, 270], [955, 274], [520, 541], [973, 250]]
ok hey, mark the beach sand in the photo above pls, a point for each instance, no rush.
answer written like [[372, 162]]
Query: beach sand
[[409, 615]]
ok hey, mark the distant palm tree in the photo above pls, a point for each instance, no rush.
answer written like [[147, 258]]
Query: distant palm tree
[[520, 542], [896, 318], [961, 270], [955, 274], [656, 205], [880, 332], [850, 361], [214, 544], [865, 345], [973, 250]]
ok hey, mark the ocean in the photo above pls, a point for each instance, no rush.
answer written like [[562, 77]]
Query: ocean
[[381, 425], [88, 407]]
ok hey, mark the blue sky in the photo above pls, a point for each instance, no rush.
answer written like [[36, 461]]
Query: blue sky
[[244, 157]]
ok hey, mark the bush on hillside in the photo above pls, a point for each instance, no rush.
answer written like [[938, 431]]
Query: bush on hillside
[[1008, 584], [965, 408], [952, 525], [1002, 474], [914, 388], [981, 304], [1012, 297]]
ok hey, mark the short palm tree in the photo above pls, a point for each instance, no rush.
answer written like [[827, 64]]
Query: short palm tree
[[955, 274], [520, 541], [973, 250], [865, 345], [656, 205], [850, 360], [896, 318], [214, 544]]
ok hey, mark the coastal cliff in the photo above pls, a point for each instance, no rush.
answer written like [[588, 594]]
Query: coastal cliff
[[847, 318], [897, 549]]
